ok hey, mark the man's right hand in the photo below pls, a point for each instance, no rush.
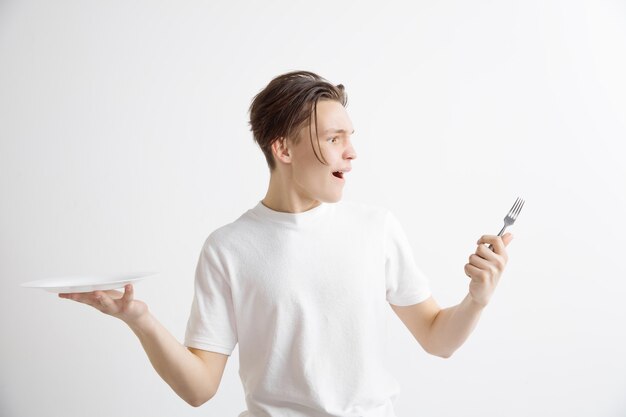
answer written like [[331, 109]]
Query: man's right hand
[[193, 374], [113, 303]]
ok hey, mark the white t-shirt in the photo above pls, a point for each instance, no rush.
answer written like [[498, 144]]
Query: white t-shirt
[[305, 295]]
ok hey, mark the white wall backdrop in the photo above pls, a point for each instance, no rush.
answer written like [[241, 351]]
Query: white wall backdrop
[[124, 142]]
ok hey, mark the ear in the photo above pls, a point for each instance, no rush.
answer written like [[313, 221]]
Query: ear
[[281, 151]]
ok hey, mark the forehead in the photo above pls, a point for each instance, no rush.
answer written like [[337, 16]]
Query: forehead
[[332, 117]]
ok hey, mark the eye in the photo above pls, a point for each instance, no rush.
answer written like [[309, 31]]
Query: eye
[[333, 138]]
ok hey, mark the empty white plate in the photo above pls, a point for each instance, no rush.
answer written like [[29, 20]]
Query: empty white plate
[[87, 283]]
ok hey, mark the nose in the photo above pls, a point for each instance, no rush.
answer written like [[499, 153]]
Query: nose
[[350, 152]]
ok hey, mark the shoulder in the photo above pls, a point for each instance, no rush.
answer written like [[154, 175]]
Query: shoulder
[[230, 234]]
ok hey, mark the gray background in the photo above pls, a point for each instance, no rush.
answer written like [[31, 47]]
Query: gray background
[[124, 143]]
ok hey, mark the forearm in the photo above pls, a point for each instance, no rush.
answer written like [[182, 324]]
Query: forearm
[[183, 371], [452, 326]]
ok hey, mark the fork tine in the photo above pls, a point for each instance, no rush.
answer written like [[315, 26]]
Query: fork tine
[[517, 207]]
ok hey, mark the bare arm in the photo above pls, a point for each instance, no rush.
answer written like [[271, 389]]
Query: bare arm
[[442, 331], [193, 374]]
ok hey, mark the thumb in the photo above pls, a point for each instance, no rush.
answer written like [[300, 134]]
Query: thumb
[[129, 291], [507, 238]]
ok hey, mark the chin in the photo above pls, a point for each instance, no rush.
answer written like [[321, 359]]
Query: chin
[[331, 198]]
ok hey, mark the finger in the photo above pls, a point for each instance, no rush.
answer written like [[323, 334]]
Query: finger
[[475, 273], [82, 297], [116, 295], [484, 252], [129, 292], [488, 254], [479, 262], [495, 241], [105, 303], [506, 240]]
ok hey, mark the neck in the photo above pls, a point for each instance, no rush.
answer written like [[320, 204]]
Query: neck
[[284, 197]]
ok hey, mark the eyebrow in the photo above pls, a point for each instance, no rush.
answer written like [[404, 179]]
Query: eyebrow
[[337, 131]]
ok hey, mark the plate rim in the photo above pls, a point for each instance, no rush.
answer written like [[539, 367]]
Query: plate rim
[[46, 283]]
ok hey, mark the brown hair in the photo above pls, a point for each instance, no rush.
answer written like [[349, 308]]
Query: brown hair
[[286, 105]]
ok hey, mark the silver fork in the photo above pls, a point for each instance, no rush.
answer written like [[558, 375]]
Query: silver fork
[[511, 216]]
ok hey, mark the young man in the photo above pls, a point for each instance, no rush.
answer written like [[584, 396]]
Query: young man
[[302, 281]]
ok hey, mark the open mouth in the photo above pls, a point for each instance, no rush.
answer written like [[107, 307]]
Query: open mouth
[[338, 174]]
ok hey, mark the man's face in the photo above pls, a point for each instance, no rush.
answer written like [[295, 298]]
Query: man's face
[[310, 178]]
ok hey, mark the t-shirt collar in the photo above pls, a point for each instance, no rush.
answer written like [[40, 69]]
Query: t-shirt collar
[[294, 219]]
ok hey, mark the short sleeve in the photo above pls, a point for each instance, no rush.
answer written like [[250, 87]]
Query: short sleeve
[[406, 283], [211, 325]]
